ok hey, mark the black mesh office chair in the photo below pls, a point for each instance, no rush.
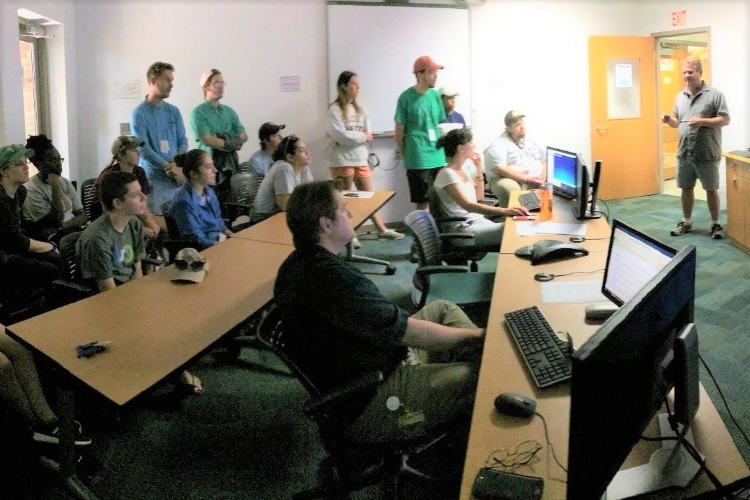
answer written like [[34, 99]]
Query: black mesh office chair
[[435, 280], [350, 466], [245, 187], [91, 206], [453, 252], [71, 287]]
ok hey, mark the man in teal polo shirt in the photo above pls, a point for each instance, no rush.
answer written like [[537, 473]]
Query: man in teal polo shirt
[[418, 113]]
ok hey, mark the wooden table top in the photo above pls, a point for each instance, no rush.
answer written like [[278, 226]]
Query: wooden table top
[[275, 230], [156, 326], [503, 371]]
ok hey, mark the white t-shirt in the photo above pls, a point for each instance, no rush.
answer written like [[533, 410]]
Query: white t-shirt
[[526, 157], [280, 179], [447, 176], [39, 199]]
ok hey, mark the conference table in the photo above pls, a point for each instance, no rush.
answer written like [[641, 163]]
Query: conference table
[[361, 206], [502, 370], [154, 328]]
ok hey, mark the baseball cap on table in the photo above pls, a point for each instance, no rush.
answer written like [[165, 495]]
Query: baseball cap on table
[[189, 266], [125, 142], [512, 117], [448, 91], [426, 63], [14, 152], [268, 129]]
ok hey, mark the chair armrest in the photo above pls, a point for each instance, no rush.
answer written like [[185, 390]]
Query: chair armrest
[[324, 402], [492, 203], [153, 262], [428, 270], [455, 236], [440, 220], [236, 204], [72, 286]]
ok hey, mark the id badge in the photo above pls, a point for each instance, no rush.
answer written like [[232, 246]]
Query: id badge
[[432, 135], [164, 146]]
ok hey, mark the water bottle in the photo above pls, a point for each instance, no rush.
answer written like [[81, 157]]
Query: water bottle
[[545, 196]]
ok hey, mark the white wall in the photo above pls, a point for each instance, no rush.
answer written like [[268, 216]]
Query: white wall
[[526, 54]]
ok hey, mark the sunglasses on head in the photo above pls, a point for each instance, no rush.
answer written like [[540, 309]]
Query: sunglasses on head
[[196, 265]]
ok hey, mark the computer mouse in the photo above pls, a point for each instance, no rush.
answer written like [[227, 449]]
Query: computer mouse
[[577, 239], [544, 276], [515, 405]]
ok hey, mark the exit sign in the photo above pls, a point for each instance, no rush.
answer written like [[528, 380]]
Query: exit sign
[[678, 17]]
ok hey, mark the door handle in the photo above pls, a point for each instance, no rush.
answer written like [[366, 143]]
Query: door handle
[[600, 129]]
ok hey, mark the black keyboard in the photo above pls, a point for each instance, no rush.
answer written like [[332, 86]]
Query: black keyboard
[[740, 152], [546, 357], [530, 201]]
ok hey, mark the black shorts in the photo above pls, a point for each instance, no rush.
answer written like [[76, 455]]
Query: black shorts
[[420, 181]]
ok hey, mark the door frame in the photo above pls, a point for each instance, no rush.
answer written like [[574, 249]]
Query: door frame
[[657, 37]]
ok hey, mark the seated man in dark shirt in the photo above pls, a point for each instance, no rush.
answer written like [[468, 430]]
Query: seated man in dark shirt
[[340, 327], [25, 264]]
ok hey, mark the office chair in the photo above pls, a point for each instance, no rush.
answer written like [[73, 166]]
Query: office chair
[[245, 187], [453, 253], [434, 280], [350, 466], [72, 287], [173, 243], [91, 206]]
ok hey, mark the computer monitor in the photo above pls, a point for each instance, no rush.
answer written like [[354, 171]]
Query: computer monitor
[[622, 374], [588, 190], [562, 172], [633, 259]]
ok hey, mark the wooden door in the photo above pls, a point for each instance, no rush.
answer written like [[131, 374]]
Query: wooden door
[[626, 142]]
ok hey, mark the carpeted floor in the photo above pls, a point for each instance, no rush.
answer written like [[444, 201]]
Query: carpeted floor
[[245, 437]]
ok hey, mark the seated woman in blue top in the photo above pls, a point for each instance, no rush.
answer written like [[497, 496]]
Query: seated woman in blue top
[[195, 208]]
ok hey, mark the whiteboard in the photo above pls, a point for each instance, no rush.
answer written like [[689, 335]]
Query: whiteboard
[[380, 44]]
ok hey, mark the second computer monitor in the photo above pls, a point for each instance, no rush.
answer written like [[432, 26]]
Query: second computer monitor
[[562, 172], [632, 261]]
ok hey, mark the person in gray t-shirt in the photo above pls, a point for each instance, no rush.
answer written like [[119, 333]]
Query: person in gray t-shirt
[[700, 111]]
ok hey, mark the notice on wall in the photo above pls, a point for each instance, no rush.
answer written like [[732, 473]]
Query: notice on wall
[[666, 64], [127, 89], [624, 75], [290, 83]]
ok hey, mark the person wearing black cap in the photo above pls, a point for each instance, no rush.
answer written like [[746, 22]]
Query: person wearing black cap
[[261, 160], [513, 161], [418, 112]]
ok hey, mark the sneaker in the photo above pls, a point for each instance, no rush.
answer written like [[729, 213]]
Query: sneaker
[[356, 243], [50, 434], [682, 228], [390, 234], [717, 232]]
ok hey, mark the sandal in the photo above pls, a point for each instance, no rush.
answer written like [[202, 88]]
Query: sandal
[[190, 384]]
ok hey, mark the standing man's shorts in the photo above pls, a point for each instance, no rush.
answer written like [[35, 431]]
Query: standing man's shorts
[[420, 180], [688, 170]]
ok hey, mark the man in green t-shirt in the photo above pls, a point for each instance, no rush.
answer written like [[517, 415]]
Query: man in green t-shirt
[[418, 112]]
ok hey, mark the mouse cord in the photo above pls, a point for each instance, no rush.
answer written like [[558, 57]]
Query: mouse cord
[[578, 272], [549, 444]]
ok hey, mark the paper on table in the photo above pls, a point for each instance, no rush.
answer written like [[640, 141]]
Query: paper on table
[[534, 228], [572, 292], [358, 194]]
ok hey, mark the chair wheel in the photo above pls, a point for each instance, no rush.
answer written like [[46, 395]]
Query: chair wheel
[[390, 270]]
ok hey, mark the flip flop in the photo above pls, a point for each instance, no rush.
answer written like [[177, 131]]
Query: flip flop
[[192, 385]]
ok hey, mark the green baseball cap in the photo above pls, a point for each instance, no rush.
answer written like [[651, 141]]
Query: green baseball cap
[[14, 152]]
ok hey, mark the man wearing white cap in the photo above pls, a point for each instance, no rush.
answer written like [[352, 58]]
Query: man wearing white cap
[[218, 131], [418, 112], [448, 95], [513, 161]]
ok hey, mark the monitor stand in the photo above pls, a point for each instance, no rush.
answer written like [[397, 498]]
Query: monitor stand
[[670, 466]]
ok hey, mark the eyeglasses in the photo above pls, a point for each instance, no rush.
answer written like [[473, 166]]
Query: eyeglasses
[[196, 265], [522, 455]]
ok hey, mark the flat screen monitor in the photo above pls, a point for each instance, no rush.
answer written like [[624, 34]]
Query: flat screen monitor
[[633, 259], [588, 189], [621, 375], [562, 172]]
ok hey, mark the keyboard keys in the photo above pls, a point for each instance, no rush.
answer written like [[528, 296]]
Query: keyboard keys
[[546, 357], [530, 201]]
